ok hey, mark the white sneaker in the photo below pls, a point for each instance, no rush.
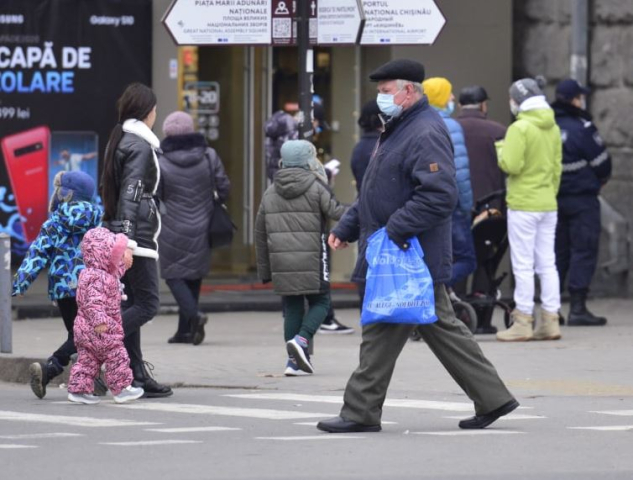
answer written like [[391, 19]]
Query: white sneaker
[[129, 394], [85, 398], [293, 370], [335, 327]]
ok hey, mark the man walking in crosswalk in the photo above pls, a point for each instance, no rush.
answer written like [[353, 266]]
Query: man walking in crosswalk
[[409, 188]]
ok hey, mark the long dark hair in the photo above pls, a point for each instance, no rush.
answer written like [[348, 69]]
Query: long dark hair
[[137, 102]]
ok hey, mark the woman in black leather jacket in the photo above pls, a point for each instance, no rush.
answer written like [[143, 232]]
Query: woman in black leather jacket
[[129, 182]]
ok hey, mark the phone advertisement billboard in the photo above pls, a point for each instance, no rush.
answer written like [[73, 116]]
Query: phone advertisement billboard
[[63, 64]]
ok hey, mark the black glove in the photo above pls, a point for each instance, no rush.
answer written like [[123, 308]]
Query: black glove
[[404, 246]]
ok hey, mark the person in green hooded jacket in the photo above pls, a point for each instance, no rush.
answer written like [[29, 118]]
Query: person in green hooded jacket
[[531, 156], [291, 245]]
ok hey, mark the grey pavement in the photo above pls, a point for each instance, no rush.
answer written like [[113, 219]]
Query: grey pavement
[[576, 422]]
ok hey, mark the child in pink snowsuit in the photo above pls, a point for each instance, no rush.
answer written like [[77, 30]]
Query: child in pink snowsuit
[[98, 327]]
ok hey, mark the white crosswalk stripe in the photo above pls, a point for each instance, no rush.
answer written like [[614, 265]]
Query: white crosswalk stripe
[[606, 428], [312, 437], [12, 447], [224, 411], [30, 436], [398, 403], [192, 429], [619, 413], [467, 433], [144, 443], [70, 421]]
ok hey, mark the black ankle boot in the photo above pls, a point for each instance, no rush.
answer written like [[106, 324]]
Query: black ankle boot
[[579, 315], [143, 378], [42, 373]]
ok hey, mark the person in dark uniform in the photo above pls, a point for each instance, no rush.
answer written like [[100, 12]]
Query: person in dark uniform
[[409, 188], [369, 121], [586, 168]]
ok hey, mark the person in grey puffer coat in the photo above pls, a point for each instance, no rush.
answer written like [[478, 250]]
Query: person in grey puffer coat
[[291, 244], [190, 173]]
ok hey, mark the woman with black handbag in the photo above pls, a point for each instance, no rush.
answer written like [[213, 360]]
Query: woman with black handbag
[[128, 185], [192, 191]]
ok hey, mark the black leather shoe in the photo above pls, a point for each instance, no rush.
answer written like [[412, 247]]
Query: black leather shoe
[[181, 338], [340, 425], [482, 421], [197, 328]]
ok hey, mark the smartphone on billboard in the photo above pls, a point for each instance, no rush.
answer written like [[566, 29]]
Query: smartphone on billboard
[[26, 159]]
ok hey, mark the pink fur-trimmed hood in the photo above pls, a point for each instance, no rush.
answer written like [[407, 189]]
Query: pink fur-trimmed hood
[[103, 250]]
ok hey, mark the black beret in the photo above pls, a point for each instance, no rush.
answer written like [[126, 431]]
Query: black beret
[[401, 69], [473, 95]]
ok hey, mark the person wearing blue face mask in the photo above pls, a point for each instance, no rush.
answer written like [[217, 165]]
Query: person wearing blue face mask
[[439, 91], [409, 188]]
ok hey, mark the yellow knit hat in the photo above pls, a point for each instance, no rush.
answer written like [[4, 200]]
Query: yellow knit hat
[[438, 90]]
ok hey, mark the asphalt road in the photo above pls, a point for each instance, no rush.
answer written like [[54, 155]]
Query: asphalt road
[[257, 434], [246, 421]]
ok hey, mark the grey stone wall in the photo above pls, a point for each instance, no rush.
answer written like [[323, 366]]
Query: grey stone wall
[[542, 46]]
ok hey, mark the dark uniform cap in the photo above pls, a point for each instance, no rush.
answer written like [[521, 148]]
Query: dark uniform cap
[[473, 95], [401, 69], [569, 89]]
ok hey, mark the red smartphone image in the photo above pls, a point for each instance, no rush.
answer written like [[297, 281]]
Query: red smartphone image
[[26, 158]]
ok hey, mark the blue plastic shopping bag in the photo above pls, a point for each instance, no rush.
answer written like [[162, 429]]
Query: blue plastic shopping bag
[[399, 287]]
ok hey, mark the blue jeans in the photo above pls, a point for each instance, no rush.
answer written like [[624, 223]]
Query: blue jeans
[[464, 258]]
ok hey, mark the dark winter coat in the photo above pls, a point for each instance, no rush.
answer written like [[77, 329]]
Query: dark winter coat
[[136, 177], [291, 233], [410, 188], [586, 162], [480, 135], [361, 155], [190, 171]]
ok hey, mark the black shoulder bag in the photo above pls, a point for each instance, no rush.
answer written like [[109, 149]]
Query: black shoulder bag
[[221, 227]]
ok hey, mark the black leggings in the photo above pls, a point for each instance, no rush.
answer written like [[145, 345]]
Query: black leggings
[[68, 309]]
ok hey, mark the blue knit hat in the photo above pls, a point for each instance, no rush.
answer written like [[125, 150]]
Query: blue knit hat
[[72, 186], [297, 153]]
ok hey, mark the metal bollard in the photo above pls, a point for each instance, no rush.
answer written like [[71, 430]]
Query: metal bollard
[[6, 327]]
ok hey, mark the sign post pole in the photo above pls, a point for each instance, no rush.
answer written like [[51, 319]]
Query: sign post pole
[[306, 68], [6, 335]]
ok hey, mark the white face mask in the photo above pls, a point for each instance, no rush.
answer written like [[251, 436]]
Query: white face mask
[[514, 108], [387, 105]]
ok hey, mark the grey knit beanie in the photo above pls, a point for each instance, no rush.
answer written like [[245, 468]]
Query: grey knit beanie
[[297, 153], [523, 89], [178, 123]]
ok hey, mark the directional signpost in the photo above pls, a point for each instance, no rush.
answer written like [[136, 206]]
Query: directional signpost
[[401, 22], [304, 23], [340, 22], [219, 22]]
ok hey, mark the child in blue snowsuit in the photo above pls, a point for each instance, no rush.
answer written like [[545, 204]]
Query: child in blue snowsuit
[[73, 213]]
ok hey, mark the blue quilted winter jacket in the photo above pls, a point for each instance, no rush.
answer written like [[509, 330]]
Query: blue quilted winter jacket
[[57, 248], [462, 165]]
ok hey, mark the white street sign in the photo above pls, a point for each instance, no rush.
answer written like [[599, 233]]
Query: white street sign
[[339, 22], [401, 22], [223, 22]]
